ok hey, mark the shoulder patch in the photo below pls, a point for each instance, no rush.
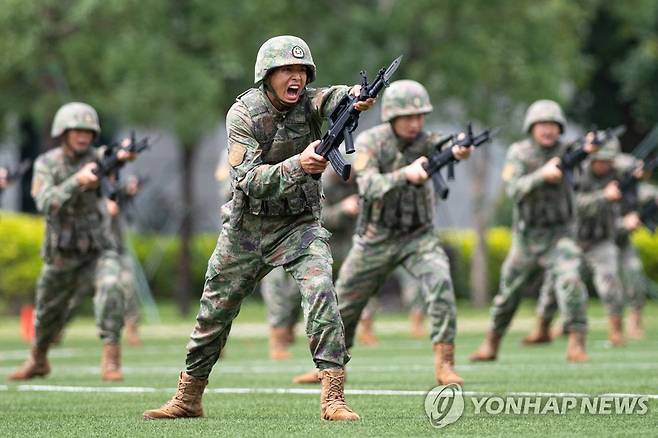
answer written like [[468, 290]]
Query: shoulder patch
[[361, 160], [508, 172], [236, 154]]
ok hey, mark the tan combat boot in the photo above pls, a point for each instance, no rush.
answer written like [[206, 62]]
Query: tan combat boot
[[365, 333], [635, 329], [615, 331], [488, 350], [132, 333], [576, 347], [332, 397], [186, 403], [311, 377], [417, 319], [444, 361], [541, 334], [279, 343], [111, 363], [35, 366]]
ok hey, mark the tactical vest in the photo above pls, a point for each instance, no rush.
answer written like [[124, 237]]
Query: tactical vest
[[549, 205], [78, 226], [280, 138], [600, 225], [405, 208]]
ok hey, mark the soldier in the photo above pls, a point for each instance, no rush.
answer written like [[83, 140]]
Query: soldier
[[78, 251], [597, 217], [543, 231], [272, 220], [395, 225]]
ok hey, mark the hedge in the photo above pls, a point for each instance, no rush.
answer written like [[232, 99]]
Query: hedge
[[21, 236]]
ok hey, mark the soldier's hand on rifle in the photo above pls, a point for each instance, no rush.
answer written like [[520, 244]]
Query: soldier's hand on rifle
[[612, 192], [415, 173], [632, 221], [639, 171], [461, 152], [311, 162], [350, 205], [112, 208], [590, 146], [361, 106], [551, 172], [86, 176], [123, 154]]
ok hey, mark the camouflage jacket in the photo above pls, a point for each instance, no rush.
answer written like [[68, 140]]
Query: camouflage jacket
[[263, 150], [390, 206], [75, 219], [537, 203]]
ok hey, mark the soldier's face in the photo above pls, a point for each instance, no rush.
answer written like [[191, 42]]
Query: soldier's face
[[79, 140], [408, 127], [546, 133], [288, 83], [601, 167]]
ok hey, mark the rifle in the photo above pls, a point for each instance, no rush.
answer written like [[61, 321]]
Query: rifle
[[344, 119], [442, 158], [649, 215], [110, 164], [16, 174], [628, 184], [574, 157]]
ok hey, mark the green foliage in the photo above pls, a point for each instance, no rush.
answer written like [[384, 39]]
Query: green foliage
[[20, 241]]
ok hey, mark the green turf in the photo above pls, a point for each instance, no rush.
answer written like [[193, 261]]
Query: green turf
[[399, 363]]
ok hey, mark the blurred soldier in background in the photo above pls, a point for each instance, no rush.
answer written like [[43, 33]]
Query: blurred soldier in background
[[272, 220], [597, 217], [78, 251], [543, 231], [395, 225]]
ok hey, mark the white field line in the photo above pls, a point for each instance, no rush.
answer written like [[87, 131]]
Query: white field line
[[296, 391]]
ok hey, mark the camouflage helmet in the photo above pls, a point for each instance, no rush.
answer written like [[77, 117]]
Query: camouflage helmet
[[280, 51], [75, 115], [608, 151], [404, 98], [544, 111]]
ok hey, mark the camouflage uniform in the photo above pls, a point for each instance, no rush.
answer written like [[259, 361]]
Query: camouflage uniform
[[597, 228], [282, 298], [272, 220], [395, 228], [78, 251]]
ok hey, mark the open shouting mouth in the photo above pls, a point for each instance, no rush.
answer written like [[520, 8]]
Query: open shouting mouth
[[292, 93]]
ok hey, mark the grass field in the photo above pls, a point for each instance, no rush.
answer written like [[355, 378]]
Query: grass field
[[246, 395]]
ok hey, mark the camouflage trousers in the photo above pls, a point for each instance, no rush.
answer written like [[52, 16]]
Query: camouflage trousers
[[411, 295], [283, 301], [241, 259], [128, 286], [559, 257], [367, 265], [602, 262], [636, 284], [63, 279]]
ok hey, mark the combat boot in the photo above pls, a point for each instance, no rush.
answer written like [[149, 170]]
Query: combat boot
[[576, 347], [290, 334], [444, 362], [635, 329], [111, 363], [541, 334], [615, 331], [332, 397], [365, 332], [279, 343], [186, 403], [311, 377], [416, 319], [488, 350], [35, 366], [132, 333]]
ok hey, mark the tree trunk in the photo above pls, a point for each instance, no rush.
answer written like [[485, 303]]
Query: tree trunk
[[184, 286], [480, 262]]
